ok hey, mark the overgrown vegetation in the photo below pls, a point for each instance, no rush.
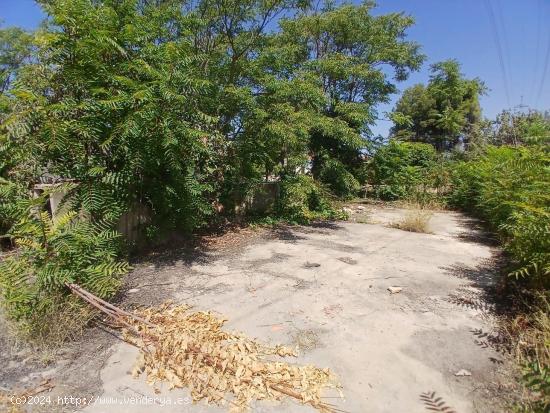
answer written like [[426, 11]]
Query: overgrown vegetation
[[179, 110], [50, 254], [508, 188], [407, 170], [182, 110]]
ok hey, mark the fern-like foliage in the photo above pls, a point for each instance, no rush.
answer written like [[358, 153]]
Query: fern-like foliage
[[508, 187], [537, 379], [53, 252]]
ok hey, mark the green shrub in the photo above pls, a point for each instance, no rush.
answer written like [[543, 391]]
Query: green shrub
[[402, 169], [340, 181], [302, 200], [51, 253], [10, 207], [508, 187], [537, 379]]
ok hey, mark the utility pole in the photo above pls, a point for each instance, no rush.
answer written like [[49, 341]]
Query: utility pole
[[521, 107]]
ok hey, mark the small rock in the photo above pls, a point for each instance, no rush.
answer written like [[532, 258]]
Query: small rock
[[133, 290], [348, 260], [311, 264], [361, 208], [463, 373], [395, 290]]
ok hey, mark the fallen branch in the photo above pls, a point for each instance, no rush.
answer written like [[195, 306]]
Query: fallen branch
[[184, 348], [107, 308]]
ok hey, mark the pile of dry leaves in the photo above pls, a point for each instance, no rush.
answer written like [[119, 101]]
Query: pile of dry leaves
[[190, 349]]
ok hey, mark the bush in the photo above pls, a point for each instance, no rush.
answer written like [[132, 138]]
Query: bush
[[340, 181], [402, 169], [10, 206], [50, 253], [302, 200], [508, 187]]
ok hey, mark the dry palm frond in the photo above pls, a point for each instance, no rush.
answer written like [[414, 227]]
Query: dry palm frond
[[190, 349]]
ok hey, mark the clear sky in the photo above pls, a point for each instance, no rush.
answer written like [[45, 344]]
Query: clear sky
[[472, 31]]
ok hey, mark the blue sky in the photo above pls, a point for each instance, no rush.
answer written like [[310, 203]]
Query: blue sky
[[461, 29]]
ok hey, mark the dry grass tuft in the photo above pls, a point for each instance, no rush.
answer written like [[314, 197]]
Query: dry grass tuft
[[48, 331], [530, 337], [414, 221], [532, 333]]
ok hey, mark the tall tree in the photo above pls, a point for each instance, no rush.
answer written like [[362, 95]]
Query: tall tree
[[352, 53], [178, 104], [441, 113]]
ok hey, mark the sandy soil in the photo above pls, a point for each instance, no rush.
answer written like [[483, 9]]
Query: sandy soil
[[323, 288]]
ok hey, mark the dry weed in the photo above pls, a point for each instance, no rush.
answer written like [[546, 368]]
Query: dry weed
[[532, 334], [63, 322], [414, 221], [529, 336]]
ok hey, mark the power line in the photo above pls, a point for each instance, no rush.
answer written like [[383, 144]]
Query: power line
[[499, 49], [544, 72], [537, 51], [505, 48]]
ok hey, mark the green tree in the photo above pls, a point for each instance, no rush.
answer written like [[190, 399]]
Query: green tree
[[305, 93], [112, 104], [442, 112], [519, 128], [351, 52], [15, 49], [177, 107]]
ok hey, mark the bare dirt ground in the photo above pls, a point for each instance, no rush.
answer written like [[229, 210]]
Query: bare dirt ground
[[323, 288]]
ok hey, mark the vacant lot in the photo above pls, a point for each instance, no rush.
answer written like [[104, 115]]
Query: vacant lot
[[324, 288]]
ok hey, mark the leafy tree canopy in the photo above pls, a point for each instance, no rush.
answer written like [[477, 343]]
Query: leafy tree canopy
[[175, 104], [443, 111]]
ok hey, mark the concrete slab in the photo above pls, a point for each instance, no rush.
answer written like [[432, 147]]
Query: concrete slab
[[387, 349]]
